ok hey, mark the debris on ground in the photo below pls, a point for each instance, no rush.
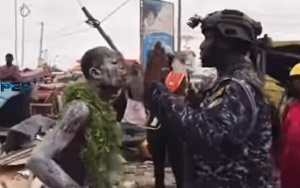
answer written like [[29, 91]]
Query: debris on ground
[[140, 175], [15, 175]]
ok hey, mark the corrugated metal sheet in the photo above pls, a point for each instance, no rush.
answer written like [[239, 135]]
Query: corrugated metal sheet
[[284, 43]]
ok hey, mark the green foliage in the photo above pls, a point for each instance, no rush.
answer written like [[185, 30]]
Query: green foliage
[[103, 137]]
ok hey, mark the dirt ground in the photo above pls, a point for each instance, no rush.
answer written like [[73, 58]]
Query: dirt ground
[[137, 175], [140, 175]]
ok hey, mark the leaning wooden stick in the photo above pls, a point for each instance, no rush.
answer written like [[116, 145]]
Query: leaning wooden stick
[[96, 24]]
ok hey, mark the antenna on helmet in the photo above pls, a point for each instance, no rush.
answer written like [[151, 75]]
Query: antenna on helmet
[[194, 21]]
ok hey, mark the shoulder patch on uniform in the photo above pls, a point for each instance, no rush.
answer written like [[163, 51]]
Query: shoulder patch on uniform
[[217, 94], [216, 97], [216, 102]]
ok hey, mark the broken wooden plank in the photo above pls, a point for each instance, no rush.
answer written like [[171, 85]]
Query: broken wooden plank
[[16, 158]]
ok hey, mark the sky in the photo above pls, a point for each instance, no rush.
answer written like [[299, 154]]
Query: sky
[[67, 37]]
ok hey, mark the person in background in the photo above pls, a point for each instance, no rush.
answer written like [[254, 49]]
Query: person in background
[[290, 156], [9, 72], [134, 116], [135, 113], [14, 107]]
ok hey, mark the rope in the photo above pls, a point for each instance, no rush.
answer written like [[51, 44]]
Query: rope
[[79, 3], [103, 20], [114, 11]]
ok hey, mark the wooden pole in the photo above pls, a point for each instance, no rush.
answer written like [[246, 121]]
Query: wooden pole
[[23, 42], [25, 11], [16, 32], [41, 44], [141, 34], [179, 27]]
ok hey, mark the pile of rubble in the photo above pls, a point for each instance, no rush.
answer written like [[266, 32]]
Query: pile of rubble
[[20, 141], [22, 138], [136, 175]]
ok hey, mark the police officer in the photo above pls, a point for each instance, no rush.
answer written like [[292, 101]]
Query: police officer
[[229, 134]]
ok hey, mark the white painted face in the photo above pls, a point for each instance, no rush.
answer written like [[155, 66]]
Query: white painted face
[[111, 73]]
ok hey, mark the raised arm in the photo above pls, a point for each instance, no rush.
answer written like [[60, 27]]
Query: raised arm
[[42, 162], [228, 116]]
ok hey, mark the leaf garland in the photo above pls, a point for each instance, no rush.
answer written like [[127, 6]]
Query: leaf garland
[[101, 154]]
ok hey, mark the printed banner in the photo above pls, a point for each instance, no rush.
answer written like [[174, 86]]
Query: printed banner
[[157, 25]]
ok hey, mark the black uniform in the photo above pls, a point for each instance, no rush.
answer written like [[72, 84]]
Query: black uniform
[[229, 134]]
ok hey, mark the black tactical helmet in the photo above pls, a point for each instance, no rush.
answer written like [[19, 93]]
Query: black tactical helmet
[[231, 24]]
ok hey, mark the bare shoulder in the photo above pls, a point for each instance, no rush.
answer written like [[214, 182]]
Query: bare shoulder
[[76, 112], [73, 119]]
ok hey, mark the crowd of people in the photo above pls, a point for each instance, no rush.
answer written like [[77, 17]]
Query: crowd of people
[[228, 134]]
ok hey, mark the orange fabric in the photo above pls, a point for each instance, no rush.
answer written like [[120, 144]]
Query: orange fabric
[[174, 80]]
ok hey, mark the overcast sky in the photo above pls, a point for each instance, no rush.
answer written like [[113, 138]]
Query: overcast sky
[[67, 37]]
